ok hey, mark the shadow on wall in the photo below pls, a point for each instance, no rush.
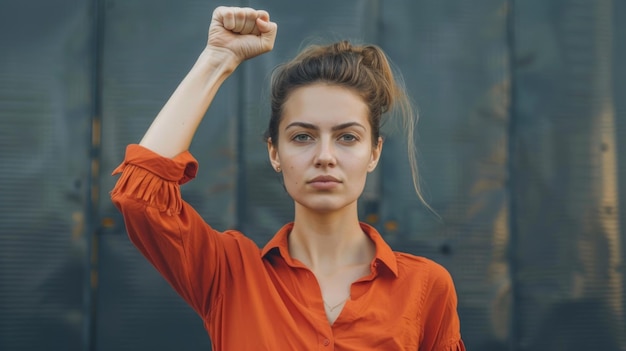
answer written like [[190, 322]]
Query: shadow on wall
[[580, 325]]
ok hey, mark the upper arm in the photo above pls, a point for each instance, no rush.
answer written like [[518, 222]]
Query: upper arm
[[189, 254], [180, 246]]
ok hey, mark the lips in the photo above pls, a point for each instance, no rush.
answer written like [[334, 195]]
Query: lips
[[324, 183], [324, 179]]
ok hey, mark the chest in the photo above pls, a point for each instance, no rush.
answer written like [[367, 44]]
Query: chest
[[290, 313], [335, 287], [366, 322], [352, 309]]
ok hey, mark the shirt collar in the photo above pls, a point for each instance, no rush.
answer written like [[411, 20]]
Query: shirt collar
[[384, 254]]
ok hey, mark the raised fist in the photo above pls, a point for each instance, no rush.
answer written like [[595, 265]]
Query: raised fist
[[245, 32]]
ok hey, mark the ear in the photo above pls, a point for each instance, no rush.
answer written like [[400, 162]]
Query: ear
[[272, 151], [376, 152]]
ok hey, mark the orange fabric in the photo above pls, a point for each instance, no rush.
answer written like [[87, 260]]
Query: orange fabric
[[253, 299]]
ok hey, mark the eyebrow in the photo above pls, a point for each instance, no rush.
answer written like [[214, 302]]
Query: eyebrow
[[334, 128]]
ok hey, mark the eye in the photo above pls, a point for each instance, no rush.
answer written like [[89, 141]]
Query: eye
[[301, 138], [348, 138]]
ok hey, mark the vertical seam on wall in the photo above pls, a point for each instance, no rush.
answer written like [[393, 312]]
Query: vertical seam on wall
[[379, 22], [513, 324], [93, 182]]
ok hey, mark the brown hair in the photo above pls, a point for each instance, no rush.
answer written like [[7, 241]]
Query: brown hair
[[365, 70]]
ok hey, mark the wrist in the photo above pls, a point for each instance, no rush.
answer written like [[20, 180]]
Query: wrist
[[219, 59]]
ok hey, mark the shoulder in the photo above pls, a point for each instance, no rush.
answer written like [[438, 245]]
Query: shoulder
[[431, 273], [239, 240]]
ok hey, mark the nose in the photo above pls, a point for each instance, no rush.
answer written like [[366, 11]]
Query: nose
[[325, 156]]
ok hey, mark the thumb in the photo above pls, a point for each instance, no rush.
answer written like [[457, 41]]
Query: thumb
[[268, 32], [264, 15], [265, 26]]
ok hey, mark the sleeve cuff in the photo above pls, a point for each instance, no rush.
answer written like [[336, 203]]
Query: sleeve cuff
[[182, 168]]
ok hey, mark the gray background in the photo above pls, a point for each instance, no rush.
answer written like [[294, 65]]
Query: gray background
[[522, 105]]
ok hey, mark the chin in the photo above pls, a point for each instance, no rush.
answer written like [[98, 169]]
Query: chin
[[323, 206]]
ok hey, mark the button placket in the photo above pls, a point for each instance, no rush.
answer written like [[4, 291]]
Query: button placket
[[325, 342]]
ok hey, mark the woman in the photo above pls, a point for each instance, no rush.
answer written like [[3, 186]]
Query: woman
[[325, 281]]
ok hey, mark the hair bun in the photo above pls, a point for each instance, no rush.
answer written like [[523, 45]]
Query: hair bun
[[374, 58]]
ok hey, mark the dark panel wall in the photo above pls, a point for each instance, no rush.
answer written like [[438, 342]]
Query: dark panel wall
[[618, 81], [567, 250], [45, 118]]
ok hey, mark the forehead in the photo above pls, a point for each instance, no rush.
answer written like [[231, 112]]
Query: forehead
[[324, 105]]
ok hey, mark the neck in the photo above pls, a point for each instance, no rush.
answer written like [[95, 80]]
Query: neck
[[327, 241]]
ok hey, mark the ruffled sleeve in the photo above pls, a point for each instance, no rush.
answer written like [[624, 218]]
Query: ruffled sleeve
[[440, 321], [167, 230], [154, 179]]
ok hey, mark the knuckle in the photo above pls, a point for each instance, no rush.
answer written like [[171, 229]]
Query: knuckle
[[220, 10]]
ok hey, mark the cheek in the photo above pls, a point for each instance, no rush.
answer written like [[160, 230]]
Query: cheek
[[290, 175], [359, 160]]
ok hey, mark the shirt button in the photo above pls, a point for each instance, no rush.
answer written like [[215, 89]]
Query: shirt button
[[326, 342]]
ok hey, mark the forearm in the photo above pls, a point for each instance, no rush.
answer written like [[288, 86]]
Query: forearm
[[173, 128]]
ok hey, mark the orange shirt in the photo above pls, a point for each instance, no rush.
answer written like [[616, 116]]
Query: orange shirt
[[253, 299]]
